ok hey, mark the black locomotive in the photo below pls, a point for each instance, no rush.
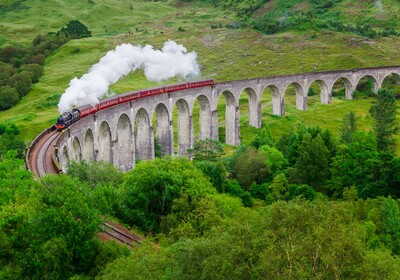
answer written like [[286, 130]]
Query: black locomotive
[[67, 118]]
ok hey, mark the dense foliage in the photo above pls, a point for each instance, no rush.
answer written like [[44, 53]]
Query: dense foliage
[[308, 205]]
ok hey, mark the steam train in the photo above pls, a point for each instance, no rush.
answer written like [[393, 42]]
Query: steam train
[[68, 118]]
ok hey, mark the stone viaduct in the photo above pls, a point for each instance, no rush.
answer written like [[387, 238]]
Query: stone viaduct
[[124, 133]]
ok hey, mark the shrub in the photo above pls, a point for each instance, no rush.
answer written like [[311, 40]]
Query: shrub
[[76, 29], [6, 71], [8, 97], [21, 82], [35, 71]]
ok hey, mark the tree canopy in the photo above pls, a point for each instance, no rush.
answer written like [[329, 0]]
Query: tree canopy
[[76, 29]]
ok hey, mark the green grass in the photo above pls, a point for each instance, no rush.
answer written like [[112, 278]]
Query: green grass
[[224, 54]]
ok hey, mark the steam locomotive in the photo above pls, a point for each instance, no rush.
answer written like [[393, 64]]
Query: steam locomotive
[[68, 118]]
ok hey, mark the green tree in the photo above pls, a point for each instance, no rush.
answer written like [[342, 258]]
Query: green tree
[[35, 71], [251, 167], [262, 138], [289, 143], [390, 214], [215, 171], [207, 149], [15, 180], [348, 127], [279, 186], [145, 262], [22, 82], [231, 161], [259, 191], [9, 52], [64, 210], [312, 165], [358, 164], [152, 186], [49, 229], [274, 158], [8, 97], [304, 191], [385, 124], [190, 217], [76, 29], [96, 173], [10, 140], [157, 149], [6, 71]]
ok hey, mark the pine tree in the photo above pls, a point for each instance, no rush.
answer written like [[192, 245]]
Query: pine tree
[[312, 165], [348, 127], [385, 124]]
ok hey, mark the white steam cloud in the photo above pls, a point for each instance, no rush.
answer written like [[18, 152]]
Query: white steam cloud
[[172, 60]]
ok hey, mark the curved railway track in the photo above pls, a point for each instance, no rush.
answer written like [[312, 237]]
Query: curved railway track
[[39, 155], [120, 234], [40, 160]]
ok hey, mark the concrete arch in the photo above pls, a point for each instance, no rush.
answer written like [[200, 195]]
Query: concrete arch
[[185, 127], [325, 92], [374, 79], [105, 142], [254, 107], [394, 74], [277, 100], [163, 132], [232, 126], [124, 155], [204, 117], [76, 152], [143, 135], [65, 159], [88, 146], [348, 86], [301, 96]]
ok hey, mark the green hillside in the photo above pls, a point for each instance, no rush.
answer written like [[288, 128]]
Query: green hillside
[[224, 52], [296, 201]]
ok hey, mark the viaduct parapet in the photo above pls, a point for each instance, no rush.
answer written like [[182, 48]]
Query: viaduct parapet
[[125, 133]]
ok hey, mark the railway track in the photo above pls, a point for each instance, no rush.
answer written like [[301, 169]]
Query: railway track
[[119, 234], [39, 155]]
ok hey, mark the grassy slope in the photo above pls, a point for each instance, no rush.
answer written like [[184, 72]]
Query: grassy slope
[[224, 54]]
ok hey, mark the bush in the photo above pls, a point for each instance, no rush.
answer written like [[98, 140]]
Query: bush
[[215, 171], [234, 189], [259, 191], [9, 52], [304, 191], [96, 173], [6, 71], [8, 97], [10, 140], [251, 167], [21, 82], [76, 29], [35, 71]]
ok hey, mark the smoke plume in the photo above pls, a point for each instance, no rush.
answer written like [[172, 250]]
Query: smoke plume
[[172, 60]]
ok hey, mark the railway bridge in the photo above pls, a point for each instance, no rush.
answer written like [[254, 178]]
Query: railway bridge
[[124, 133]]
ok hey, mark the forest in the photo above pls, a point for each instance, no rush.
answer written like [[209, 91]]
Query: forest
[[307, 205]]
